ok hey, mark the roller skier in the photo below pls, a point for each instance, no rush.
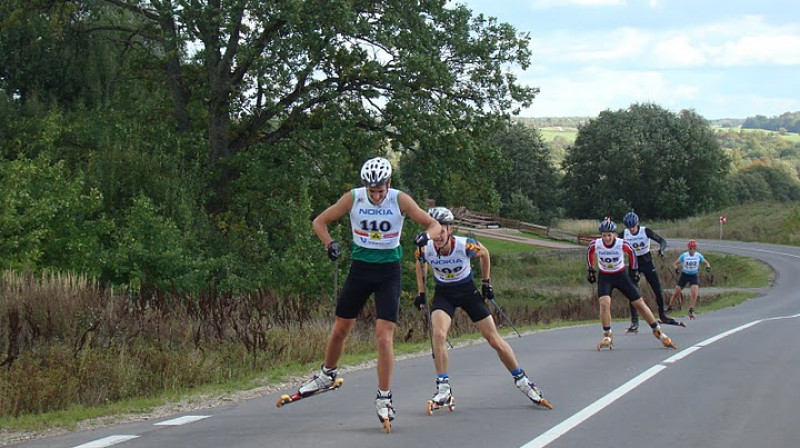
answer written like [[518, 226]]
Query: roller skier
[[449, 258], [609, 253], [376, 214], [639, 238]]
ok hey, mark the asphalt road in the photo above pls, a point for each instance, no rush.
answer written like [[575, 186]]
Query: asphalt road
[[733, 382]]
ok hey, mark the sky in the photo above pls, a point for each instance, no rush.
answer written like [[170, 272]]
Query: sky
[[721, 58]]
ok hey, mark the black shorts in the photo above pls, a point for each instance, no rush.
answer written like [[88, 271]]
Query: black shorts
[[465, 295], [692, 279], [383, 279], [619, 280]]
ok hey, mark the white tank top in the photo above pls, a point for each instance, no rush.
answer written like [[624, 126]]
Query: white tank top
[[610, 259], [453, 267], [376, 226], [640, 242]]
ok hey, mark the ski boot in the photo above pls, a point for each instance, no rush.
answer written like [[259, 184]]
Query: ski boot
[[691, 314], [531, 391], [634, 328], [664, 319], [663, 338], [606, 342], [385, 409], [442, 397], [325, 381]]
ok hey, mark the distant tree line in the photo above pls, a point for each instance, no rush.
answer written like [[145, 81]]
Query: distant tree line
[[787, 122]]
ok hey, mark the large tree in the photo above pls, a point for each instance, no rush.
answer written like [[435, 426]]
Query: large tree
[[406, 70], [662, 164]]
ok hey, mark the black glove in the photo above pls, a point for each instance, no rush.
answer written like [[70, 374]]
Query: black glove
[[590, 276], [334, 251], [708, 268], [487, 291], [421, 239], [661, 252], [420, 300], [636, 277]]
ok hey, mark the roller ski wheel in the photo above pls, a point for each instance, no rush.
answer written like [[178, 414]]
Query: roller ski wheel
[[544, 403], [606, 342], [387, 425], [286, 399], [665, 340], [434, 406], [633, 329]]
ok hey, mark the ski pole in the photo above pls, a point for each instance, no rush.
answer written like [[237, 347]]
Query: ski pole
[[335, 281], [424, 269], [427, 312], [499, 310]]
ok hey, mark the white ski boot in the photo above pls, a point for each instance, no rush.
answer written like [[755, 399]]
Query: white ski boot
[[443, 396], [385, 409], [531, 391], [323, 381]]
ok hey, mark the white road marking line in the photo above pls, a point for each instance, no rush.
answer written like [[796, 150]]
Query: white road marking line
[[106, 441], [681, 354], [182, 420], [584, 414]]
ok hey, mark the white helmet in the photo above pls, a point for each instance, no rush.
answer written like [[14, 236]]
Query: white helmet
[[441, 214], [376, 172]]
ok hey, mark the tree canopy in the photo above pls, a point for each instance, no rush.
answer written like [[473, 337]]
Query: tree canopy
[[662, 164]]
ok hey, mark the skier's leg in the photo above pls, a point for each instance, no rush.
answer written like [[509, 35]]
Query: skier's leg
[[441, 326], [504, 351], [384, 340], [693, 294]]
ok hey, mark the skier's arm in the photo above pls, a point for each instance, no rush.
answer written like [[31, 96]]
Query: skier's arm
[[410, 208], [590, 255], [662, 243], [633, 260], [482, 253], [332, 213]]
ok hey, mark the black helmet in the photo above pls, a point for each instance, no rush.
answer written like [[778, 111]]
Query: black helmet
[[607, 225]]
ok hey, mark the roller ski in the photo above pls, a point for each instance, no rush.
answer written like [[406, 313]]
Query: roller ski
[[325, 381], [664, 319], [443, 397], [665, 340], [385, 410], [634, 328], [531, 391], [606, 342], [691, 314]]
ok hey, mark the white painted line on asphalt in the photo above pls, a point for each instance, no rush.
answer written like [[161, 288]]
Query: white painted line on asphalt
[[681, 354], [182, 420], [725, 334], [584, 414], [107, 441]]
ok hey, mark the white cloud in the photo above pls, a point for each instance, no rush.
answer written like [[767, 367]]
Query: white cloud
[[546, 4], [594, 89], [677, 51]]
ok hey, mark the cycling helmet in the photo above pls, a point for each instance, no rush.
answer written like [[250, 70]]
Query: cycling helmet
[[630, 219], [692, 244], [375, 172], [607, 225], [442, 214]]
